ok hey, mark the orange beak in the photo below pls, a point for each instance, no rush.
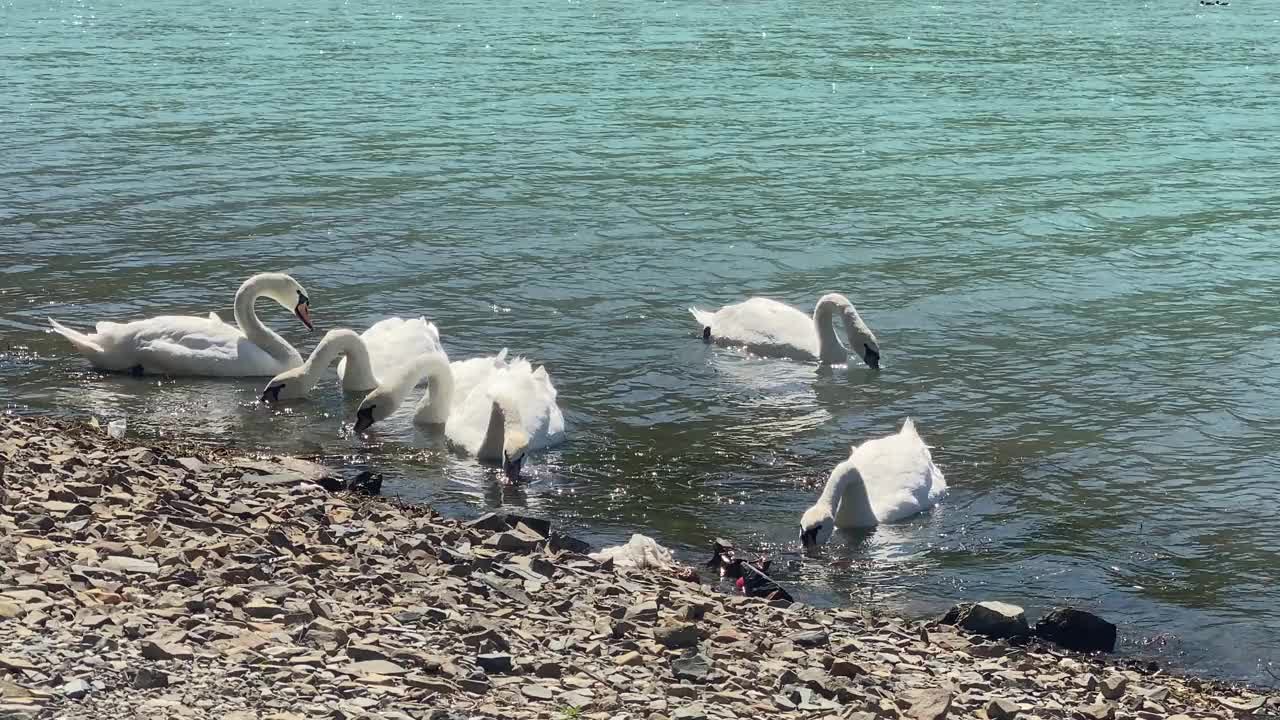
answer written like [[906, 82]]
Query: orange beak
[[303, 311]]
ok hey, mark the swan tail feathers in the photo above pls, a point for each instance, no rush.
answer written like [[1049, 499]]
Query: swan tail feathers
[[82, 342], [909, 428]]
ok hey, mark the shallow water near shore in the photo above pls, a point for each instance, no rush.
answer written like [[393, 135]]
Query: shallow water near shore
[[1064, 244]]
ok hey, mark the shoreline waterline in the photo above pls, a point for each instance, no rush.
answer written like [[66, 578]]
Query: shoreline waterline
[[144, 574]]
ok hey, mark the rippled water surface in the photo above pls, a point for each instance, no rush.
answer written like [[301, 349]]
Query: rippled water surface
[[1061, 220]]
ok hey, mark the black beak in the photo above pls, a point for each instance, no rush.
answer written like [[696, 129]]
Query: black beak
[[871, 356], [809, 538], [364, 418], [272, 393]]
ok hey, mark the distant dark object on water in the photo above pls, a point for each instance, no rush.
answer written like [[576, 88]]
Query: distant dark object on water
[[1211, 2]]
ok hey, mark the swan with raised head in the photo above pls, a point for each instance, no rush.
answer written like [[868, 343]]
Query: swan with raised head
[[768, 327], [298, 382], [494, 409], [186, 345], [885, 479], [393, 342]]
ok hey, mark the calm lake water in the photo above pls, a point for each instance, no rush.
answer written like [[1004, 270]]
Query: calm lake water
[[1061, 220]]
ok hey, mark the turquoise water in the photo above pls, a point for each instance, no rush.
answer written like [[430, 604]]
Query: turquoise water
[[1060, 220]]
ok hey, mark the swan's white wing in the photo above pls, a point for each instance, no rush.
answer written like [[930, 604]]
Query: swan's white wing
[[472, 373], [392, 342], [529, 398], [899, 474], [764, 326], [189, 345]]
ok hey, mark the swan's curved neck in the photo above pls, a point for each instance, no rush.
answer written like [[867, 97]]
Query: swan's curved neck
[[252, 327], [359, 369], [846, 494], [830, 349], [435, 406]]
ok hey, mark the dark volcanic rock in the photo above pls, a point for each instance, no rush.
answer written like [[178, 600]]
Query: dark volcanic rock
[[1077, 630]]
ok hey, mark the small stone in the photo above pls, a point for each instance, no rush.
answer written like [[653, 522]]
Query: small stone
[[1001, 709], [148, 678], [548, 670], [374, 667], [1113, 686], [495, 663], [10, 610], [1250, 705], [76, 689], [630, 658], [676, 636], [993, 619], [643, 612], [537, 692], [1096, 711], [164, 651], [692, 711], [129, 564], [813, 638], [926, 704], [694, 668], [844, 668]]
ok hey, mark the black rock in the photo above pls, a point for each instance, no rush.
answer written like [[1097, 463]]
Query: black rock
[[1077, 630], [367, 483], [558, 541], [495, 663], [813, 638], [148, 678], [538, 525]]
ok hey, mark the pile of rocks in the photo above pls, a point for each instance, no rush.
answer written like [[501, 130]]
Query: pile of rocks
[[159, 581]]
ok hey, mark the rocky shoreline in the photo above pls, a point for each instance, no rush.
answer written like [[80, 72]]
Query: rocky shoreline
[[162, 580]]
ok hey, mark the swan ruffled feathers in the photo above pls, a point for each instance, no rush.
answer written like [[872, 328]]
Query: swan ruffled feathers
[[768, 327], [884, 479], [492, 408], [187, 345], [298, 382]]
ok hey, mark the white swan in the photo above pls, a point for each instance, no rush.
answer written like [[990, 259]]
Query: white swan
[[490, 408], [393, 342], [885, 479], [768, 327], [200, 346], [297, 382]]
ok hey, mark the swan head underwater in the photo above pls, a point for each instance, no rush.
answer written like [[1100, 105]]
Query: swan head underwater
[[376, 407], [862, 341], [816, 526]]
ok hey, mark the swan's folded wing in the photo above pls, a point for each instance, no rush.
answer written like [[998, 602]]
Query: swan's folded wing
[[765, 325], [188, 345], [899, 475], [392, 342]]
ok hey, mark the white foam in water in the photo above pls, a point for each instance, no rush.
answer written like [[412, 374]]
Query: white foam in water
[[116, 429]]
